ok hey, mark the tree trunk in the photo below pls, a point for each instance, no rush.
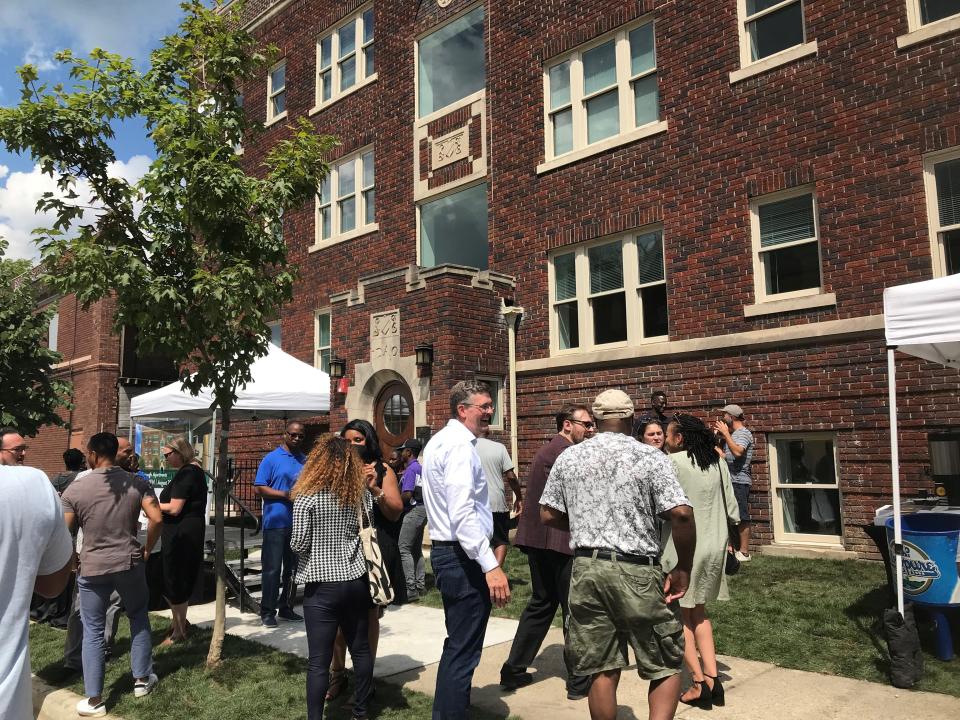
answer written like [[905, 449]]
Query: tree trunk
[[220, 498]]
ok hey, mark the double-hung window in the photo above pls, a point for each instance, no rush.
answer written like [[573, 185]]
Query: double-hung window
[[786, 245], [322, 341], [450, 63], [277, 92], [927, 12], [942, 180], [345, 57], [608, 293], [346, 202], [772, 33], [605, 92], [806, 489]]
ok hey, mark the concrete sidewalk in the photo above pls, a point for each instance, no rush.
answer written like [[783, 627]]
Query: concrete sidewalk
[[412, 639]]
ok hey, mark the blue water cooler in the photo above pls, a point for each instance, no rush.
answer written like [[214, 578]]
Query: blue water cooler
[[931, 567]]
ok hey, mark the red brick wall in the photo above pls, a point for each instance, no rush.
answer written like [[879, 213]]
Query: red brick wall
[[853, 121]]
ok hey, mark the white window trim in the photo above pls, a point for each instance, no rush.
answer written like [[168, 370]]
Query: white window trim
[[631, 289], [498, 382], [759, 276], [780, 535], [749, 67], [356, 158], [271, 118], [918, 32], [316, 336], [362, 79], [451, 189], [937, 253], [629, 132], [447, 109]]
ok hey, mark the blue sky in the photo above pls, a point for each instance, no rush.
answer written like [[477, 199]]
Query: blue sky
[[32, 32]]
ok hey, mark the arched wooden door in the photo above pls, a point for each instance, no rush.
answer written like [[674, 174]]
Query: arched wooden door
[[393, 412]]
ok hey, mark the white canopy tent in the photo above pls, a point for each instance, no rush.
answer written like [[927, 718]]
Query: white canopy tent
[[281, 385], [922, 319]]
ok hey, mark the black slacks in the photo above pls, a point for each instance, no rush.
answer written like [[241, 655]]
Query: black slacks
[[550, 585]]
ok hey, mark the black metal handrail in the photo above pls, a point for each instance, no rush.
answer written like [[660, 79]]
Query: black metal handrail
[[257, 525]]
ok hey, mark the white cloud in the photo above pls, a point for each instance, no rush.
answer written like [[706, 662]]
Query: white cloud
[[21, 191], [126, 27], [40, 57]]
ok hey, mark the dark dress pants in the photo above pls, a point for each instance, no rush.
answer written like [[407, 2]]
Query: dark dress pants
[[466, 608], [550, 586]]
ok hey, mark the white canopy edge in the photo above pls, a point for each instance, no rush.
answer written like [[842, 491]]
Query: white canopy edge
[[281, 386], [923, 319]]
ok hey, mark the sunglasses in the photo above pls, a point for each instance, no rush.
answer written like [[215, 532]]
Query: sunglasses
[[301, 436], [168, 453]]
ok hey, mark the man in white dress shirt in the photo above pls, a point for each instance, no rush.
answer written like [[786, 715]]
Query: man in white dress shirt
[[465, 569]]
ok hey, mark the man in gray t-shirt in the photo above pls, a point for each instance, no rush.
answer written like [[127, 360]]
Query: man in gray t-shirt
[[738, 452], [497, 468], [106, 504]]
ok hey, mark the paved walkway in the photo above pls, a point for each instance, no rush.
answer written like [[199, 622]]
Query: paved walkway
[[412, 638]]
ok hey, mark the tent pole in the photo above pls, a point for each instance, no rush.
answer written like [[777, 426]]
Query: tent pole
[[895, 471]]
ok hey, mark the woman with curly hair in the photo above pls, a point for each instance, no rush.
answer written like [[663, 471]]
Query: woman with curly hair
[[328, 499], [387, 507], [706, 482]]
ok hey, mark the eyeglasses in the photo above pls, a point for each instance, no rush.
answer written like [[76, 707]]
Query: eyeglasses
[[17, 449], [485, 406], [301, 436], [169, 453], [587, 424]]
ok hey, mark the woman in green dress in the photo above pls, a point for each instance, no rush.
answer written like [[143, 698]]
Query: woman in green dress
[[705, 480]]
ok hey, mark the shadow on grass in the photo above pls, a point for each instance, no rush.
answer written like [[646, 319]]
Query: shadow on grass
[[866, 614]]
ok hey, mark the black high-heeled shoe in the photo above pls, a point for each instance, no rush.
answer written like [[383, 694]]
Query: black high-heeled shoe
[[719, 699], [704, 700]]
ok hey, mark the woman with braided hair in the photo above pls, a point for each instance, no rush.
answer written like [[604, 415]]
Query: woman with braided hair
[[706, 482], [328, 498]]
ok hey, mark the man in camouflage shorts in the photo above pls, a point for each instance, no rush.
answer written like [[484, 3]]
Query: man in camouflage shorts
[[608, 491]]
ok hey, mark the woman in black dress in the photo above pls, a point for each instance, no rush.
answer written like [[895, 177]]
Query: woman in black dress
[[387, 508], [184, 506]]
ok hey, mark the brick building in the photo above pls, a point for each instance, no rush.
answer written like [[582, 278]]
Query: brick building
[[106, 372], [705, 198]]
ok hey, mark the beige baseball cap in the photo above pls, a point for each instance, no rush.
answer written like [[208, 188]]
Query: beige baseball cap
[[612, 404], [734, 410]]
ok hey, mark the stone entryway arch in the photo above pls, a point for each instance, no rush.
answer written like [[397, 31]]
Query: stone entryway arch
[[362, 398]]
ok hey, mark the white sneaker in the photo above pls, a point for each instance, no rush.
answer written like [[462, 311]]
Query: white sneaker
[[85, 709], [142, 688], [741, 557]]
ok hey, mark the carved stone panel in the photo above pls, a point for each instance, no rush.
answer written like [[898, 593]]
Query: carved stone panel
[[450, 148], [385, 338]]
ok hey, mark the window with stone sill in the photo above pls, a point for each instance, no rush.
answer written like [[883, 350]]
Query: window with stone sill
[[322, 341], [602, 90], [277, 91], [345, 57], [450, 62], [768, 27], [346, 202], [608, 293], [942, 180], [925, 12], [786, 247]]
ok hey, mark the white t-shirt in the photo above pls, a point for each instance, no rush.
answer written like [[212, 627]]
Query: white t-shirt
[[495, 461], [34, 540]]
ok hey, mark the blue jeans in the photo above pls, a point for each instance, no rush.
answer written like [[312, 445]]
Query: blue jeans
[[466, 608], [274, 555], [95, 594], [327, 606]]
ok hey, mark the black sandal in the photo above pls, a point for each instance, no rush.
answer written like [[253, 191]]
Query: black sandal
[[719, 699], [704, 700]]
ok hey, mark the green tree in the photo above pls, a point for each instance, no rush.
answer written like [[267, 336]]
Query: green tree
[[29, 394], [191, 251]]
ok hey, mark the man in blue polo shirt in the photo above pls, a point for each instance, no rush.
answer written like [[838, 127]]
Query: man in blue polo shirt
[[276, 476]]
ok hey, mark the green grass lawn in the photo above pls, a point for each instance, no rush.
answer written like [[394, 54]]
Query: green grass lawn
[[254, 681], [817, 615]]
